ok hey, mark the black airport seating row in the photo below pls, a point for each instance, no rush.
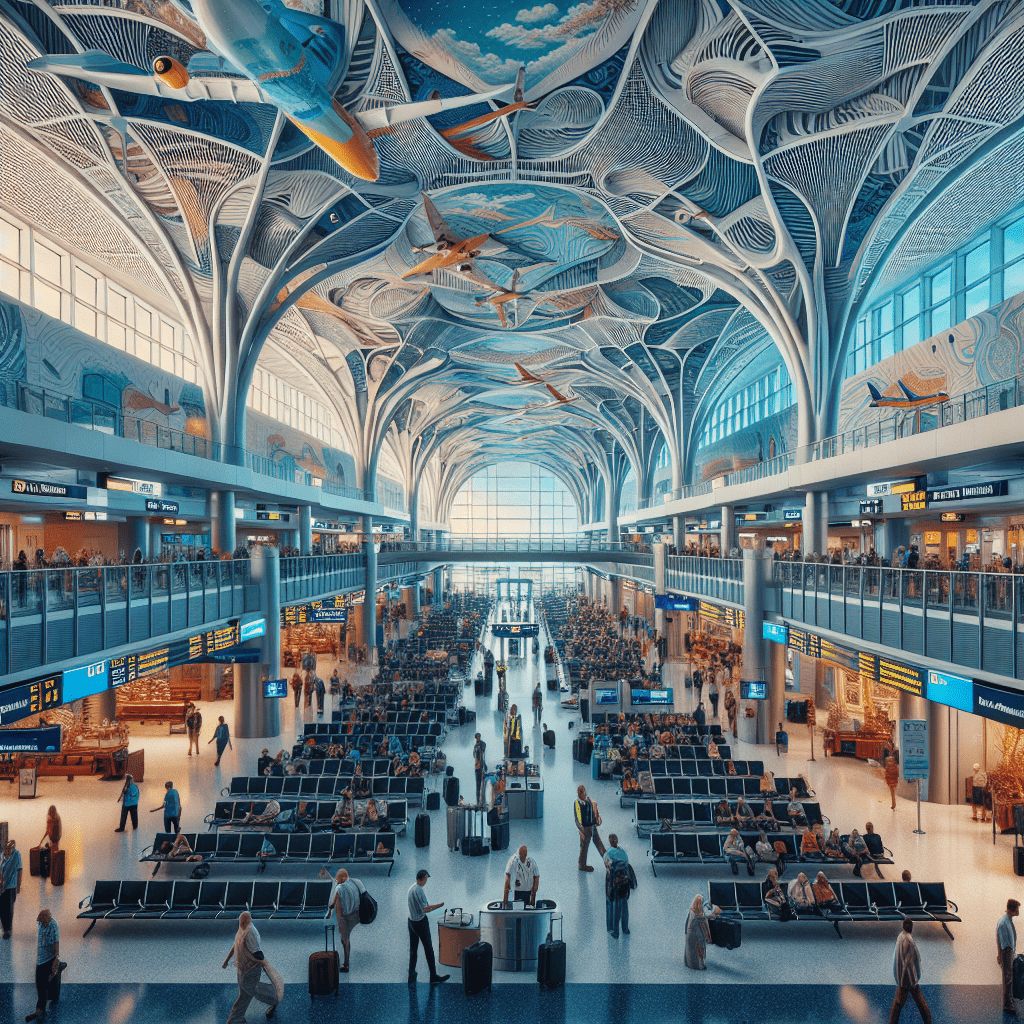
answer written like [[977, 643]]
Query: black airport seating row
[[323, 786], [684, 764], [858, 901], [701, 813], [371, 766], [706, 848], [367, 730], [291, 847], [371, 740], [128, 900], [596, 719], [318, 814], [681, 787]]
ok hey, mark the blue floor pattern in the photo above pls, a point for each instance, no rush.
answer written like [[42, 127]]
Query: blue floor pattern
[[572, 1004]]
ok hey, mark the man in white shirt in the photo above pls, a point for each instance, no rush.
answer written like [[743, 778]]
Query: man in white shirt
[[345, 895], [522, 876], [1006, 949], [419, 928]]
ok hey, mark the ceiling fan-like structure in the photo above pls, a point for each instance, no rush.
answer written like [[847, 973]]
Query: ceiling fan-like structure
[[562, 233]]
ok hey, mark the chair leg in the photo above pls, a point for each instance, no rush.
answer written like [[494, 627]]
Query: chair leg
[[835, 924], [945, 928], [92, 924], [155, 870]]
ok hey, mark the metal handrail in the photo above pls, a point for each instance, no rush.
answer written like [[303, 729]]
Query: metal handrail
[[519, 546]]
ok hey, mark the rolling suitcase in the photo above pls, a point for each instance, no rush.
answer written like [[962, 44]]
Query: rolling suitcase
[[456, 826], [3, 834], [551, 961], [422, 830], [552, 684], [1018, 860], [477, 965], [548, 738], [324, 968], [39, 861], [478, 687], [451, 791], [477, 847], [725, 932], [57, 868], [433, 801], [500, 836]]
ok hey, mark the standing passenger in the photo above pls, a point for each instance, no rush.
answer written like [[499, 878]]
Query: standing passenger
[[906, 968], [251, 963], [1006, 943], [10, 885], [223, 738]]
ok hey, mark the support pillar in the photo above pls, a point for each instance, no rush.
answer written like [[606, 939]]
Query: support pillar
[[306, 529], [439, 586], [776, 676], [727, 538], [942, 786], [660, 566], [757, 564], [370, 592], [411, 600], [156, 544], [256, 715], [809, 531], [138, 537], [222, 531], [678, 533]]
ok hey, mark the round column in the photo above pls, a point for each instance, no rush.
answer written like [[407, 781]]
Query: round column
[[256, 715]]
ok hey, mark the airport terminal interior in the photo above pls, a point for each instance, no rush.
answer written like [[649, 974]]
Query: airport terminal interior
[[511, 502]]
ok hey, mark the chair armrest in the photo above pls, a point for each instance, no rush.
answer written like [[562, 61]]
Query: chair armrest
[[888, 851], [950, 903], [85, 904], [210, 818], [825, 819], [226, 791]]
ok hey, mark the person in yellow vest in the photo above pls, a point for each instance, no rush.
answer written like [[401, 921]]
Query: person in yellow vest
[[513, 733]]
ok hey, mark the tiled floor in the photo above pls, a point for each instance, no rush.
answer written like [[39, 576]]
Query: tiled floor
[[626, 973]]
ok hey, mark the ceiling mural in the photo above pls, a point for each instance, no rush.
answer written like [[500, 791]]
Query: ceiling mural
[[477, 230]]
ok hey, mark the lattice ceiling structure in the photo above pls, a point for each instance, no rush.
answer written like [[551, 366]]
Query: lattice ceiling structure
[[684, 184]]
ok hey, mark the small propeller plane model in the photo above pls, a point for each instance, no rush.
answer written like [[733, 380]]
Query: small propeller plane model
[[910, 401], [449, 249], [290, 59]]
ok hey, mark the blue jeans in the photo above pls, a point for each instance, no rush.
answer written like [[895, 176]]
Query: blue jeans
[[617, 911]]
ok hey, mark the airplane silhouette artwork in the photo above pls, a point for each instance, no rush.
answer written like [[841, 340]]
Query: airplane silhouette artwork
[[911, 400], [290, 59], [498, 295], [449, 248], [526, 379]]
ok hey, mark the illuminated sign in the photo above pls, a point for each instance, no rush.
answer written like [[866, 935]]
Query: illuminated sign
[[45, 489], [515, 629], [30, 741], [147, 487], [211, 642], [729, 616], [792, 513], [130, 667], [74, 517], [672, 603], [330, 609], [906, 487], [161, 505], [873, 507], [969, 492], [251, 630], [776, 632], [901, 677], [952, 517], [914, 501], [31, 698], [85, 681], [953, 691], [1006, 706], [273, 517]]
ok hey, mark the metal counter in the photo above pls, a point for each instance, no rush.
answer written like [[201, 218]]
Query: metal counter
[[524, 797], [516, 935]]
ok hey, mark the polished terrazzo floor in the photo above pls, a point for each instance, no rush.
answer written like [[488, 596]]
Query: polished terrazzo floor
[[127, 971]]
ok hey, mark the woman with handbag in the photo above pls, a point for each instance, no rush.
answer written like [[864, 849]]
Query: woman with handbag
[[698, 934], [251, 963]]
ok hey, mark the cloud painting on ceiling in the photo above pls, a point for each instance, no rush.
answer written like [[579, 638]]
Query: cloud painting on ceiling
[[483, 43]]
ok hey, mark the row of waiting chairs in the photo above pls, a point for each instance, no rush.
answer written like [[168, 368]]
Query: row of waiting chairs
[[318, 813], [706, 848], [291, 847], [370, 766], [684, 764], [858, 901], [682, 787], [128, 900], [701, 813], [712, 729], [412, 731], [324, 786]]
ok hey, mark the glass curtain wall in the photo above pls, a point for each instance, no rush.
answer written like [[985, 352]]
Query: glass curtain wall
[[514, 501]]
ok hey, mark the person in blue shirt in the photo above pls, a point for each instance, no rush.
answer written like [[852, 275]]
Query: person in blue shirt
[[617, 886], [47, 960], [172, 809], [223, 738], [781, 741], [129, 799], [10, 885]]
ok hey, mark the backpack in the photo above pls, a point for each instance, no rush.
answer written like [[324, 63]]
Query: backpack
[[618, 887], [367, 908]]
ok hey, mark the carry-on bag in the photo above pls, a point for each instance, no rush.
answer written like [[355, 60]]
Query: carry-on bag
[[324, 968], [477, 966]]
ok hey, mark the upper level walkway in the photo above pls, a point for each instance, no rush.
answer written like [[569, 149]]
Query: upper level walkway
[[456, 549]]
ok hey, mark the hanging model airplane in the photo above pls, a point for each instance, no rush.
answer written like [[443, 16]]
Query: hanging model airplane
[[526, 379], [448, 249], [498, 295], [911, 401], [289, 59]]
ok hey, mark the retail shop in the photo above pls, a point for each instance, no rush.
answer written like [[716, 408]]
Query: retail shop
[[782, 529]]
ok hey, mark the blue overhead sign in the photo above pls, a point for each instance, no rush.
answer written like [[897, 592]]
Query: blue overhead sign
[[515, 629], [251, 630], [953, 691], [777, 632], [1006, 706], [792, 513], [30, 741], [85, 681], [673, 603]]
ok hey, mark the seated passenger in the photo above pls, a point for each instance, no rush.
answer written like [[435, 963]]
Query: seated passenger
[[629, 782], [767, 786], [824, 894], [834, 846], [767, 817], [724, 814], [795, 810], [809, 845], [267, 850], [657, 752], [775, 898], [180, 849], [270, 812], [713, 751], [413, 767], [736, 850], [858, 853], [342, 817], [264, 763], [769, 853], [744, 815], [801, 892]]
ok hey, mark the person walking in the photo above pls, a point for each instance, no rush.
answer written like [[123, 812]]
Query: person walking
[[1006, 950], [892, 777], [251, 963], [698, 934], [193, 723], [10, 885], [979, 783], [538, 705], [618, 882], [345, 900], [320, 690], [419, 928], [171, 808], [47, 960], [587, 819], [223, 737], [129, 800], [479, 767], [906, 968], [713, 695]]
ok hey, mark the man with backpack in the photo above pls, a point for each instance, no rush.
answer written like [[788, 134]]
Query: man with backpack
[[617, 884]]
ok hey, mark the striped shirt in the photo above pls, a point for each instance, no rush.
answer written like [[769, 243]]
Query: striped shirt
[[46, 946]]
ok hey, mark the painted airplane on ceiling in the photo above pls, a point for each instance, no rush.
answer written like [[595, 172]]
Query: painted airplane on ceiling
[[289, 59], [526, 379], [449, 248], [910, 401]]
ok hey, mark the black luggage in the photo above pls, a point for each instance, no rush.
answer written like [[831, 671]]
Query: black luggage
[[1018, 860], [474, 846], [548, 738], [57, 867], [551, 962], [478, 687], [500, 836], [462, 716], [422, 827], [1017, 986], [451, 791], [477, 966], [725, 932], [433, 801], [53, 984], [324, 968], [470, 716], [552, 684]]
